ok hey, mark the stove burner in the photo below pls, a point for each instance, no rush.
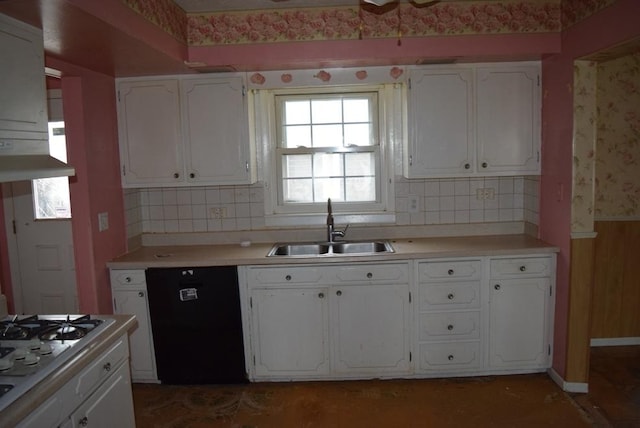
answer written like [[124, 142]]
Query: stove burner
[[16, 329], [64, 332]]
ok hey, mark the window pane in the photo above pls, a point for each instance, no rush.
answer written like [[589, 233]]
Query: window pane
[[326, 111], [51, 198], [361, 189], [358, 135], [325, 188], [356, 110], [360, 164], [296, 166], [298, 190], [327, 136], [327, 165], [297, 136], [297, 112]]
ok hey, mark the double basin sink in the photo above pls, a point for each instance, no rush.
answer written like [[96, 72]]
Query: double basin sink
[[345, 248]]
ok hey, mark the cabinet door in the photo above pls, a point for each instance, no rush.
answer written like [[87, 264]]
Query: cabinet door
[[370, 328], [216, 130], [290, 332], [519, 323], [109, 406], [134, 302], [440, 124], [149, 130], [508, 119]]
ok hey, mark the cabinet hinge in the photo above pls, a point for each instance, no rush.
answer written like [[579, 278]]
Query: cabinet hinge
[[13, 225], [251, 306], [538, 80], [410, 356], [254, 360], [409, 296], [244, 90], [548, 349], [118, 96], [115, 306], [550, 290]]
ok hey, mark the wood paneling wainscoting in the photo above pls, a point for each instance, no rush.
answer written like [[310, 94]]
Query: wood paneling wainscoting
[[616, 289]]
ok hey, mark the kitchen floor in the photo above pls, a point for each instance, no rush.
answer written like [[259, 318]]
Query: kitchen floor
[[492, 401]]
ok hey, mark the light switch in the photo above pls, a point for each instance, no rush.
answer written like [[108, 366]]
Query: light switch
[[413, 202], [103, 221]]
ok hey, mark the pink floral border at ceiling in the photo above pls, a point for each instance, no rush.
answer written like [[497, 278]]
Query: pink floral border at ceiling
[[405, 20], [163, 13]]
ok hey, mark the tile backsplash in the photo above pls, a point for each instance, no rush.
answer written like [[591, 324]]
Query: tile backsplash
[[418, 202]]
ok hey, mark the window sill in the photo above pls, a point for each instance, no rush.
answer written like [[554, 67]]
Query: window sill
[[285, 220]]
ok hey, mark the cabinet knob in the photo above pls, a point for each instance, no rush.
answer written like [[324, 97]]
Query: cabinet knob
[[484, 164], [321, 295], [107, 367], [140, 293], [450, 358], [176, 175], [467, 166], [127, 279], [523, 268], [369, 275], [450, 296], [450, 271], [192, 175], [288, 277], [497, 286], [83, 422], [450, 327], [339, 293]]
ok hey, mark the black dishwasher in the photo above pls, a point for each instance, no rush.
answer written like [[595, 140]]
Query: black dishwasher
[[197, 325]]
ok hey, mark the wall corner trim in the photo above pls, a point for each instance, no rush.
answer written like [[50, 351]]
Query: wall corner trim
[[579, 387]]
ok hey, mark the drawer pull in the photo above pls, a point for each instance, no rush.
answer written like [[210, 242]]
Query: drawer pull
[[450, 296], [369, 275], [450, 358], [467, 166], [288, 277], [450, 327], [83, 422], [450, 271], [176, 175], [497, 286], [140, 294], [338, 293], [523, 268], [107, 367], [127, 279], [321, 295]]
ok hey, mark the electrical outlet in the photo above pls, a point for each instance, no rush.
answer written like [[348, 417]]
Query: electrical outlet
[[413, 202], [103, 221], [218, 212], [485, 193]]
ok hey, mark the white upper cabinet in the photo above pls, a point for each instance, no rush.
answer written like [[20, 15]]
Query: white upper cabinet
[[440, 122], [184, 131], [508, 119], [471, 120], [23, 110]]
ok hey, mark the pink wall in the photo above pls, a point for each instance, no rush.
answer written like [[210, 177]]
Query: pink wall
[[91, 129], [611, 26]]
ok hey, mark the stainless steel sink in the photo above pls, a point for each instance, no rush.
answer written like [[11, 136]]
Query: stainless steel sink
[[330, 248]]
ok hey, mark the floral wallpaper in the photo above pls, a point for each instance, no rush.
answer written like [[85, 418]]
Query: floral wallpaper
[[617, 192], [584, 144], [163, 13], [574, 11]]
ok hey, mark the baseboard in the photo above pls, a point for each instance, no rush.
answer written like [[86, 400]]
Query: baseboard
[[580, 387], [615, 341]]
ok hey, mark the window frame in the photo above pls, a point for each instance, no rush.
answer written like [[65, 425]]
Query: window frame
[[388, 118]]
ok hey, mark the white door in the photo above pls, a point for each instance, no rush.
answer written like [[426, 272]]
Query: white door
[[46, 278]]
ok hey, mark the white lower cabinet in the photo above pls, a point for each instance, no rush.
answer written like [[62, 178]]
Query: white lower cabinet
[[340, 321], [129, 291], [472, 316], [99, 396]]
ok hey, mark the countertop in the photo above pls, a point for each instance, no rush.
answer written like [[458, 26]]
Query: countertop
[[29, 401], [255, 254]]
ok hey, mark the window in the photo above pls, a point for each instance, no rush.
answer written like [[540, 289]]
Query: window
[[51, 195], [327, 143]]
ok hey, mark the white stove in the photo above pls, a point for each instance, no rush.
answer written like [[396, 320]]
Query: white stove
[[34, 346]]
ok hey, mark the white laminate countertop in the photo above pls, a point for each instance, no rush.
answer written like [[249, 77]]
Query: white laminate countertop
[[256, 254], [29, 401]]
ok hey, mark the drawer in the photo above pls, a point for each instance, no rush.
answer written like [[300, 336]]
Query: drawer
[[450, 356], [286, 275], [388, 273], [521, 267], [92, 376], [450, 270], [459, 295], [127, 277], [449, 326]]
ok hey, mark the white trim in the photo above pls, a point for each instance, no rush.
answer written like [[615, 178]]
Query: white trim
[[605, 218], [615, 341], [581, 387], [583, 235]]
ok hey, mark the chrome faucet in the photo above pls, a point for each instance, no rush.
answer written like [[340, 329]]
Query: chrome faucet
[[331, 232]]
